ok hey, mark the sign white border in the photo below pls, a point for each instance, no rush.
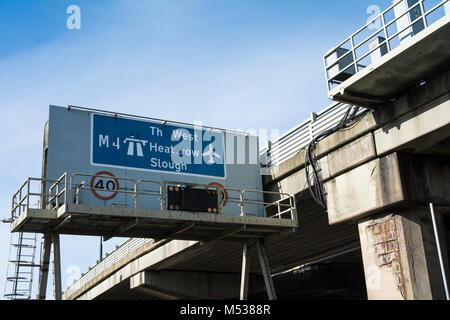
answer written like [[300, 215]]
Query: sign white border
[[152, 170]]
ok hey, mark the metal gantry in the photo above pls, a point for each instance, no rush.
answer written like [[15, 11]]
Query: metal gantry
[[66, 209], [19, 276]]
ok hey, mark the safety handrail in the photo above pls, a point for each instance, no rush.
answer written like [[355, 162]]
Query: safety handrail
[[139, 192], [351, 46], [290, 143], [77, 192], [97, 176], [150, 193], [301, 125], [82, 187], [58, 193], [17, 204], [60, 188], [291, 206]]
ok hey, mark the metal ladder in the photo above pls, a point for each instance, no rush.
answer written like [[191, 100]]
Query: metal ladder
[[19, 275]]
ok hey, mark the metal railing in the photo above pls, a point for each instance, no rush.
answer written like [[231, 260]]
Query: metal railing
[[401, 21], [112, 258], [74, 187], [162, 187], [60, 191], [57, 191], [32, 188], [289, 144]]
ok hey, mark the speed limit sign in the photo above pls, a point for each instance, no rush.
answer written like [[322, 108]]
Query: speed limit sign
[[104, 185]]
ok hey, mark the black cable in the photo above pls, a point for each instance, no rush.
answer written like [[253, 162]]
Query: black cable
[[317, 192]]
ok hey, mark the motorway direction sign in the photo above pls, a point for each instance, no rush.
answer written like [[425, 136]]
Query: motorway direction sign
[[150, 146]]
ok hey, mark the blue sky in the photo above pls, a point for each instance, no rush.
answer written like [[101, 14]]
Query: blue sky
[[238, 64]]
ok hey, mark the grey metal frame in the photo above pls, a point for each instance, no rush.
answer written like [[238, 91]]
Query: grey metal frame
[[162, 121]]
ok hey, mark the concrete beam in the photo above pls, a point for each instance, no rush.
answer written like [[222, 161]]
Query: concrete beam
[[334, 163], [323, 148], [425, 179], [405, 131], [348, 156], [363, 190], [436, 89], [393, 180], [191, 285]]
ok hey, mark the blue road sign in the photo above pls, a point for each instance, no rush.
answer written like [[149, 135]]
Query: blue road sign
[[150, 146]]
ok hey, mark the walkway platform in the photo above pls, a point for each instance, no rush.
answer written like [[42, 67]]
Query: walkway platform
[[108, 221], [387, 71]]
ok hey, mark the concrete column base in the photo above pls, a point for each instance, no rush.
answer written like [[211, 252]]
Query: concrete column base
[[400, 257]]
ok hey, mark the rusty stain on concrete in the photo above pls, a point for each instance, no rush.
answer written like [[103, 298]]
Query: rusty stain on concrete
[[383, 237]]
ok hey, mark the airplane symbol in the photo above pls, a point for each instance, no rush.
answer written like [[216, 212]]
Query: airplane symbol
[[211, 154]]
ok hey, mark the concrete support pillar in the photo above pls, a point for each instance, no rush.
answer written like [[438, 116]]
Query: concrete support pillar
[[400, 257]]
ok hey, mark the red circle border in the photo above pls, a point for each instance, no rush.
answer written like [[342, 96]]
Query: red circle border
[[104, 173], [224, 191]]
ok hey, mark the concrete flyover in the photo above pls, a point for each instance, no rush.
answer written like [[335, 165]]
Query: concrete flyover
[[379, 174]]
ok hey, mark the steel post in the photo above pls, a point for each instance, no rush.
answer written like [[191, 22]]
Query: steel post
[[245, 271], [265, 269], [57, 266], [44, 268]]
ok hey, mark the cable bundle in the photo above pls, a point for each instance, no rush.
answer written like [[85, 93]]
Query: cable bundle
[[316, 185]]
